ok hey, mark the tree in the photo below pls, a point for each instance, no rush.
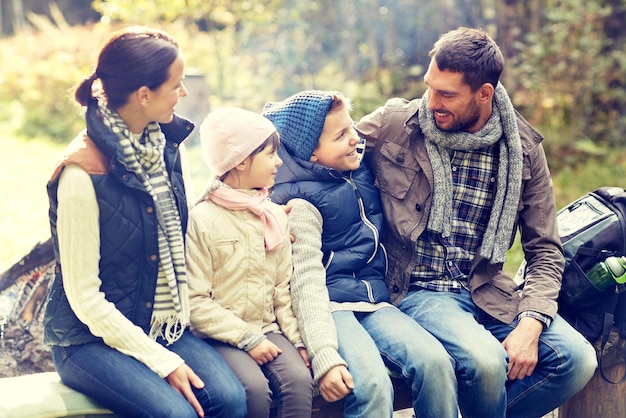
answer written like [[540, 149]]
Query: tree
[[572, 71], [14, 13], [11, 16]]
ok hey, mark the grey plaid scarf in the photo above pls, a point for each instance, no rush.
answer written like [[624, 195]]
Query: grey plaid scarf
[[496, 239], [144, 157]]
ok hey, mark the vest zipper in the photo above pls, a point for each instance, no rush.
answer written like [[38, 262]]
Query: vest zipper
[[364, 218]]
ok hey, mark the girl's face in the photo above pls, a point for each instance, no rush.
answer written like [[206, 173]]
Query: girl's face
[[163, 100], [337, 145], [260, 169]]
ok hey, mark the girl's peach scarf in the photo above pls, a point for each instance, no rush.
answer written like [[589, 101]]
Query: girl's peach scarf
[[257, 204]]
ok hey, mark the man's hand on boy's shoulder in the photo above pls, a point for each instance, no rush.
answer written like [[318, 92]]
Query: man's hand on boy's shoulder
[[287, 208]]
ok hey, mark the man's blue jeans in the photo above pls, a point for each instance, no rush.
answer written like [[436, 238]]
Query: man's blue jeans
[[566, 360], [127, 387], [405, 347]]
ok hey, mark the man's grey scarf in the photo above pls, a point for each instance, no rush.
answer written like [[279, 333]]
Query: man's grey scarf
[[496, 239], [144, 157]]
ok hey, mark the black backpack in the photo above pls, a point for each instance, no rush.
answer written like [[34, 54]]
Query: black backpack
[[593, 228]]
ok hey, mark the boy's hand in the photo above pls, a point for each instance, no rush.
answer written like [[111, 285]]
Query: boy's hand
[[305, 356], [287, 209], [336, 384]]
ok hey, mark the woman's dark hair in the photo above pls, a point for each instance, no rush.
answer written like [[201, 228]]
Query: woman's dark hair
[[133, 57]]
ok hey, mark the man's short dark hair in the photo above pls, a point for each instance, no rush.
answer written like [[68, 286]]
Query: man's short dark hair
[[471, 52]]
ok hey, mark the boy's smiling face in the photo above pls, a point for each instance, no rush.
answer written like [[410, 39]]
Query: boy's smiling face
[[337, 144]]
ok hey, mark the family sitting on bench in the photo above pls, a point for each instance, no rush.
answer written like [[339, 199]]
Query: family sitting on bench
[[380, 251]]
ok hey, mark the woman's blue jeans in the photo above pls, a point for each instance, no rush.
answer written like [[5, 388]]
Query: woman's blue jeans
[[371, 341], [128, 388], [566, 360]]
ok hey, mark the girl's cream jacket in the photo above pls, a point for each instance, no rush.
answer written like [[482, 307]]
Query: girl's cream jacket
[[237, 288]]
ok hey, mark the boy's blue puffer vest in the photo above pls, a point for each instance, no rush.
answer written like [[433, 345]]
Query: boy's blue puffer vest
[[352, 215], [129, 252]]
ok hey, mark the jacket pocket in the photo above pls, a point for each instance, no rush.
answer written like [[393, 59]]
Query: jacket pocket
[[222, 252], [396, 171]]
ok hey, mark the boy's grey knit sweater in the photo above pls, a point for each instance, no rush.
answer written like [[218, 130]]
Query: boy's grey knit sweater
[[310, 301]]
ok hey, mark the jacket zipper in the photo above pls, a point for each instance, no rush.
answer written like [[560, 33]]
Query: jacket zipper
[[364, 218]]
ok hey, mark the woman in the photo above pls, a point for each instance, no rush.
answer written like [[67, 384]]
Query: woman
[[117, 315]]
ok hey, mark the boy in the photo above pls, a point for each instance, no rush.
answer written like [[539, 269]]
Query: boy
[[336, 219]]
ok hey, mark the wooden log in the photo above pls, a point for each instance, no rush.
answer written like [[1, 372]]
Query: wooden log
[[41, 255], [600, 398]]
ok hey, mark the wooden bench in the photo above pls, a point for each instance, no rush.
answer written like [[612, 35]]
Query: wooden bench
[[402, 400], [42, 395]]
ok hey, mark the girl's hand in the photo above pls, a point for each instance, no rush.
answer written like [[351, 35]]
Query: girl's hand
[[264, 352]]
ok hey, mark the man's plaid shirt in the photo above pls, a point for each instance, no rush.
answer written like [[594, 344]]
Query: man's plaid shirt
[[443, 264]]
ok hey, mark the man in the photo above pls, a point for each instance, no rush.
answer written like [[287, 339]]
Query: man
[[459, 170]]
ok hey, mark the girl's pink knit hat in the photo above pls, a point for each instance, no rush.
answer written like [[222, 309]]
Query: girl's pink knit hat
[[229, 134]]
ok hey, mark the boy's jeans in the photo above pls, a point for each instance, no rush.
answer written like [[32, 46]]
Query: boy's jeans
[[566, 360], [127, 387], [407, 348]]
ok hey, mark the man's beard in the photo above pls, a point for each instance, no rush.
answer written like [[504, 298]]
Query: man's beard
[[464, 122]]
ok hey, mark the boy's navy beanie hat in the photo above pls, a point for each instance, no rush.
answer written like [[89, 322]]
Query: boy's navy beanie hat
[[299, 120]]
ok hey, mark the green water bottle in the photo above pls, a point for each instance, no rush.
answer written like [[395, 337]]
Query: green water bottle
[[608, 272]]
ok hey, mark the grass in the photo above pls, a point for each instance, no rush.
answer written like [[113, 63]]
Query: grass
[[574, 180], [26, 165]]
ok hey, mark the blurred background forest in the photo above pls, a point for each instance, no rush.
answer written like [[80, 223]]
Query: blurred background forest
[[565, 71]]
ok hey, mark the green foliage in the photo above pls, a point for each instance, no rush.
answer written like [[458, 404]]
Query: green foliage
[[25, 167], [207, 14], [268, 49], [572, 74], [607, 169], [39, 68], [568, 70]]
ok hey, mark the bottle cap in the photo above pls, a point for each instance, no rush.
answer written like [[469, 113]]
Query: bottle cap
[[617, 267]]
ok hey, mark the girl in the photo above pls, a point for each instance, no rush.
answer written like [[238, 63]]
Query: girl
[[117, 314], [239, 265]]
